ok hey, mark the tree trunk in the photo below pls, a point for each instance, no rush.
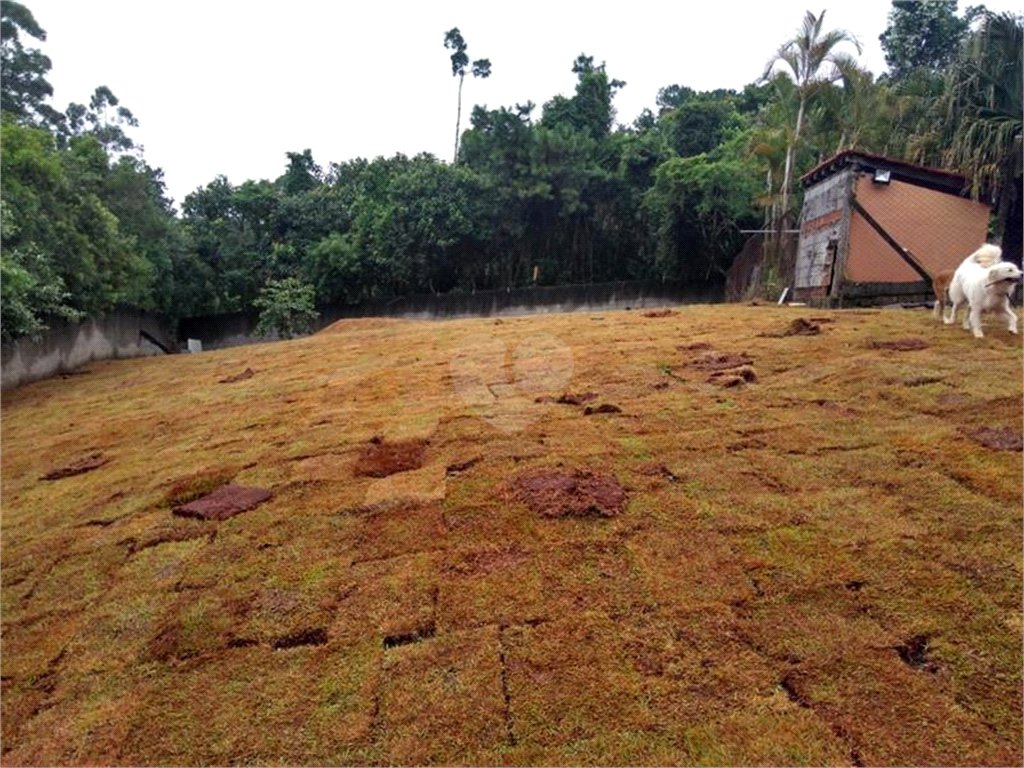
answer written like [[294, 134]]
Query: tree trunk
[[780, 233], [458, 119], [789, 159]]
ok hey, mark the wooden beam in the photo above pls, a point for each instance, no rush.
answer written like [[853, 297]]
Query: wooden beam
[[890, 240]]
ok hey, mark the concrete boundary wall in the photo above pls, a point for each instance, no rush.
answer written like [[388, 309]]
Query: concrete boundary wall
[[220, 331], [66, 346], [131, 333]]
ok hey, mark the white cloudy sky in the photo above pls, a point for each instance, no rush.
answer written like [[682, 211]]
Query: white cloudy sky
[[227, 87]]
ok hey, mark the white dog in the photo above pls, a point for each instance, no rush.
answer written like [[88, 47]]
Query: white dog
[[984, 282]]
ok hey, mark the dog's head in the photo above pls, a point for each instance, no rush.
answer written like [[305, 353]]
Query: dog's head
[[1005, 274]]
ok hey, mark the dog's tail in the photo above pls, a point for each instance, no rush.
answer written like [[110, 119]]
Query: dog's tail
[[987, 255]]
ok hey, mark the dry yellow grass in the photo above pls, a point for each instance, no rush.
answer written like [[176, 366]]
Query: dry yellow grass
[[818, 565]]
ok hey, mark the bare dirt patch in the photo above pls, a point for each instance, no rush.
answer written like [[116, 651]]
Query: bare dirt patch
[[554, 493], [900, 345], [225, 502], [997, 438], [380, 459], [79, 467]]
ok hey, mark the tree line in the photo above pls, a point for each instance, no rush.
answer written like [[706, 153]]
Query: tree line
[[559, 194]]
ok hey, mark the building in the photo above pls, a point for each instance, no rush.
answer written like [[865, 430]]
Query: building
[[875, 230]]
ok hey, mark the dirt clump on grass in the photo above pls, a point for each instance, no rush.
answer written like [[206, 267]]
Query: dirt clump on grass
[[225, 502], [997, 438], [720, 361], [605, 408], [79, 467], [568, 398], [248, 373], [799, 327], [197, 485], [914, 653], [900, 345], [380, 459], [554, 493], [735, 377], [317, 636], [461, 466]]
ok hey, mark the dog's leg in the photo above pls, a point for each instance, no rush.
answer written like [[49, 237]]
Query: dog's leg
[[951, 317], [973, 318], [1011, 317]]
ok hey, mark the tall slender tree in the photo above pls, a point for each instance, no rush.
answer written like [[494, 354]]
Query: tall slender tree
[[813, 62], [481, 68], [23, 84]]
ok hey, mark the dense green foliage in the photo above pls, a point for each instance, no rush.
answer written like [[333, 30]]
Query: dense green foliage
[[286, 308], [563, 192]]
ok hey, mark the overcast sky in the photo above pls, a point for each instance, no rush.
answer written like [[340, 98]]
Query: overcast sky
[[227, 87]]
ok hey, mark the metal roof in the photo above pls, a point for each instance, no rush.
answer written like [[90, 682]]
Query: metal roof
[[933, 178]]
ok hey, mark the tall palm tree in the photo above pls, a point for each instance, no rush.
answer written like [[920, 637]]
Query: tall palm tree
[[813, 62]]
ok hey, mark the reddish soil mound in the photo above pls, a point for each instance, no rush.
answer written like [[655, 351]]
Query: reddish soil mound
[[380, 459], [799, 327], [720, 361], [899, 344], [997, 438], [223, 503], [79, 467], [660, 313], [553, 493], [248, 373]]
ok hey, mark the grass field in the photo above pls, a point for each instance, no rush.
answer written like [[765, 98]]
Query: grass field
[[801, 549]]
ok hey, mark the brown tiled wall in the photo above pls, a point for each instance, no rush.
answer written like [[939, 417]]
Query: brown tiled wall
[[937, 228]]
